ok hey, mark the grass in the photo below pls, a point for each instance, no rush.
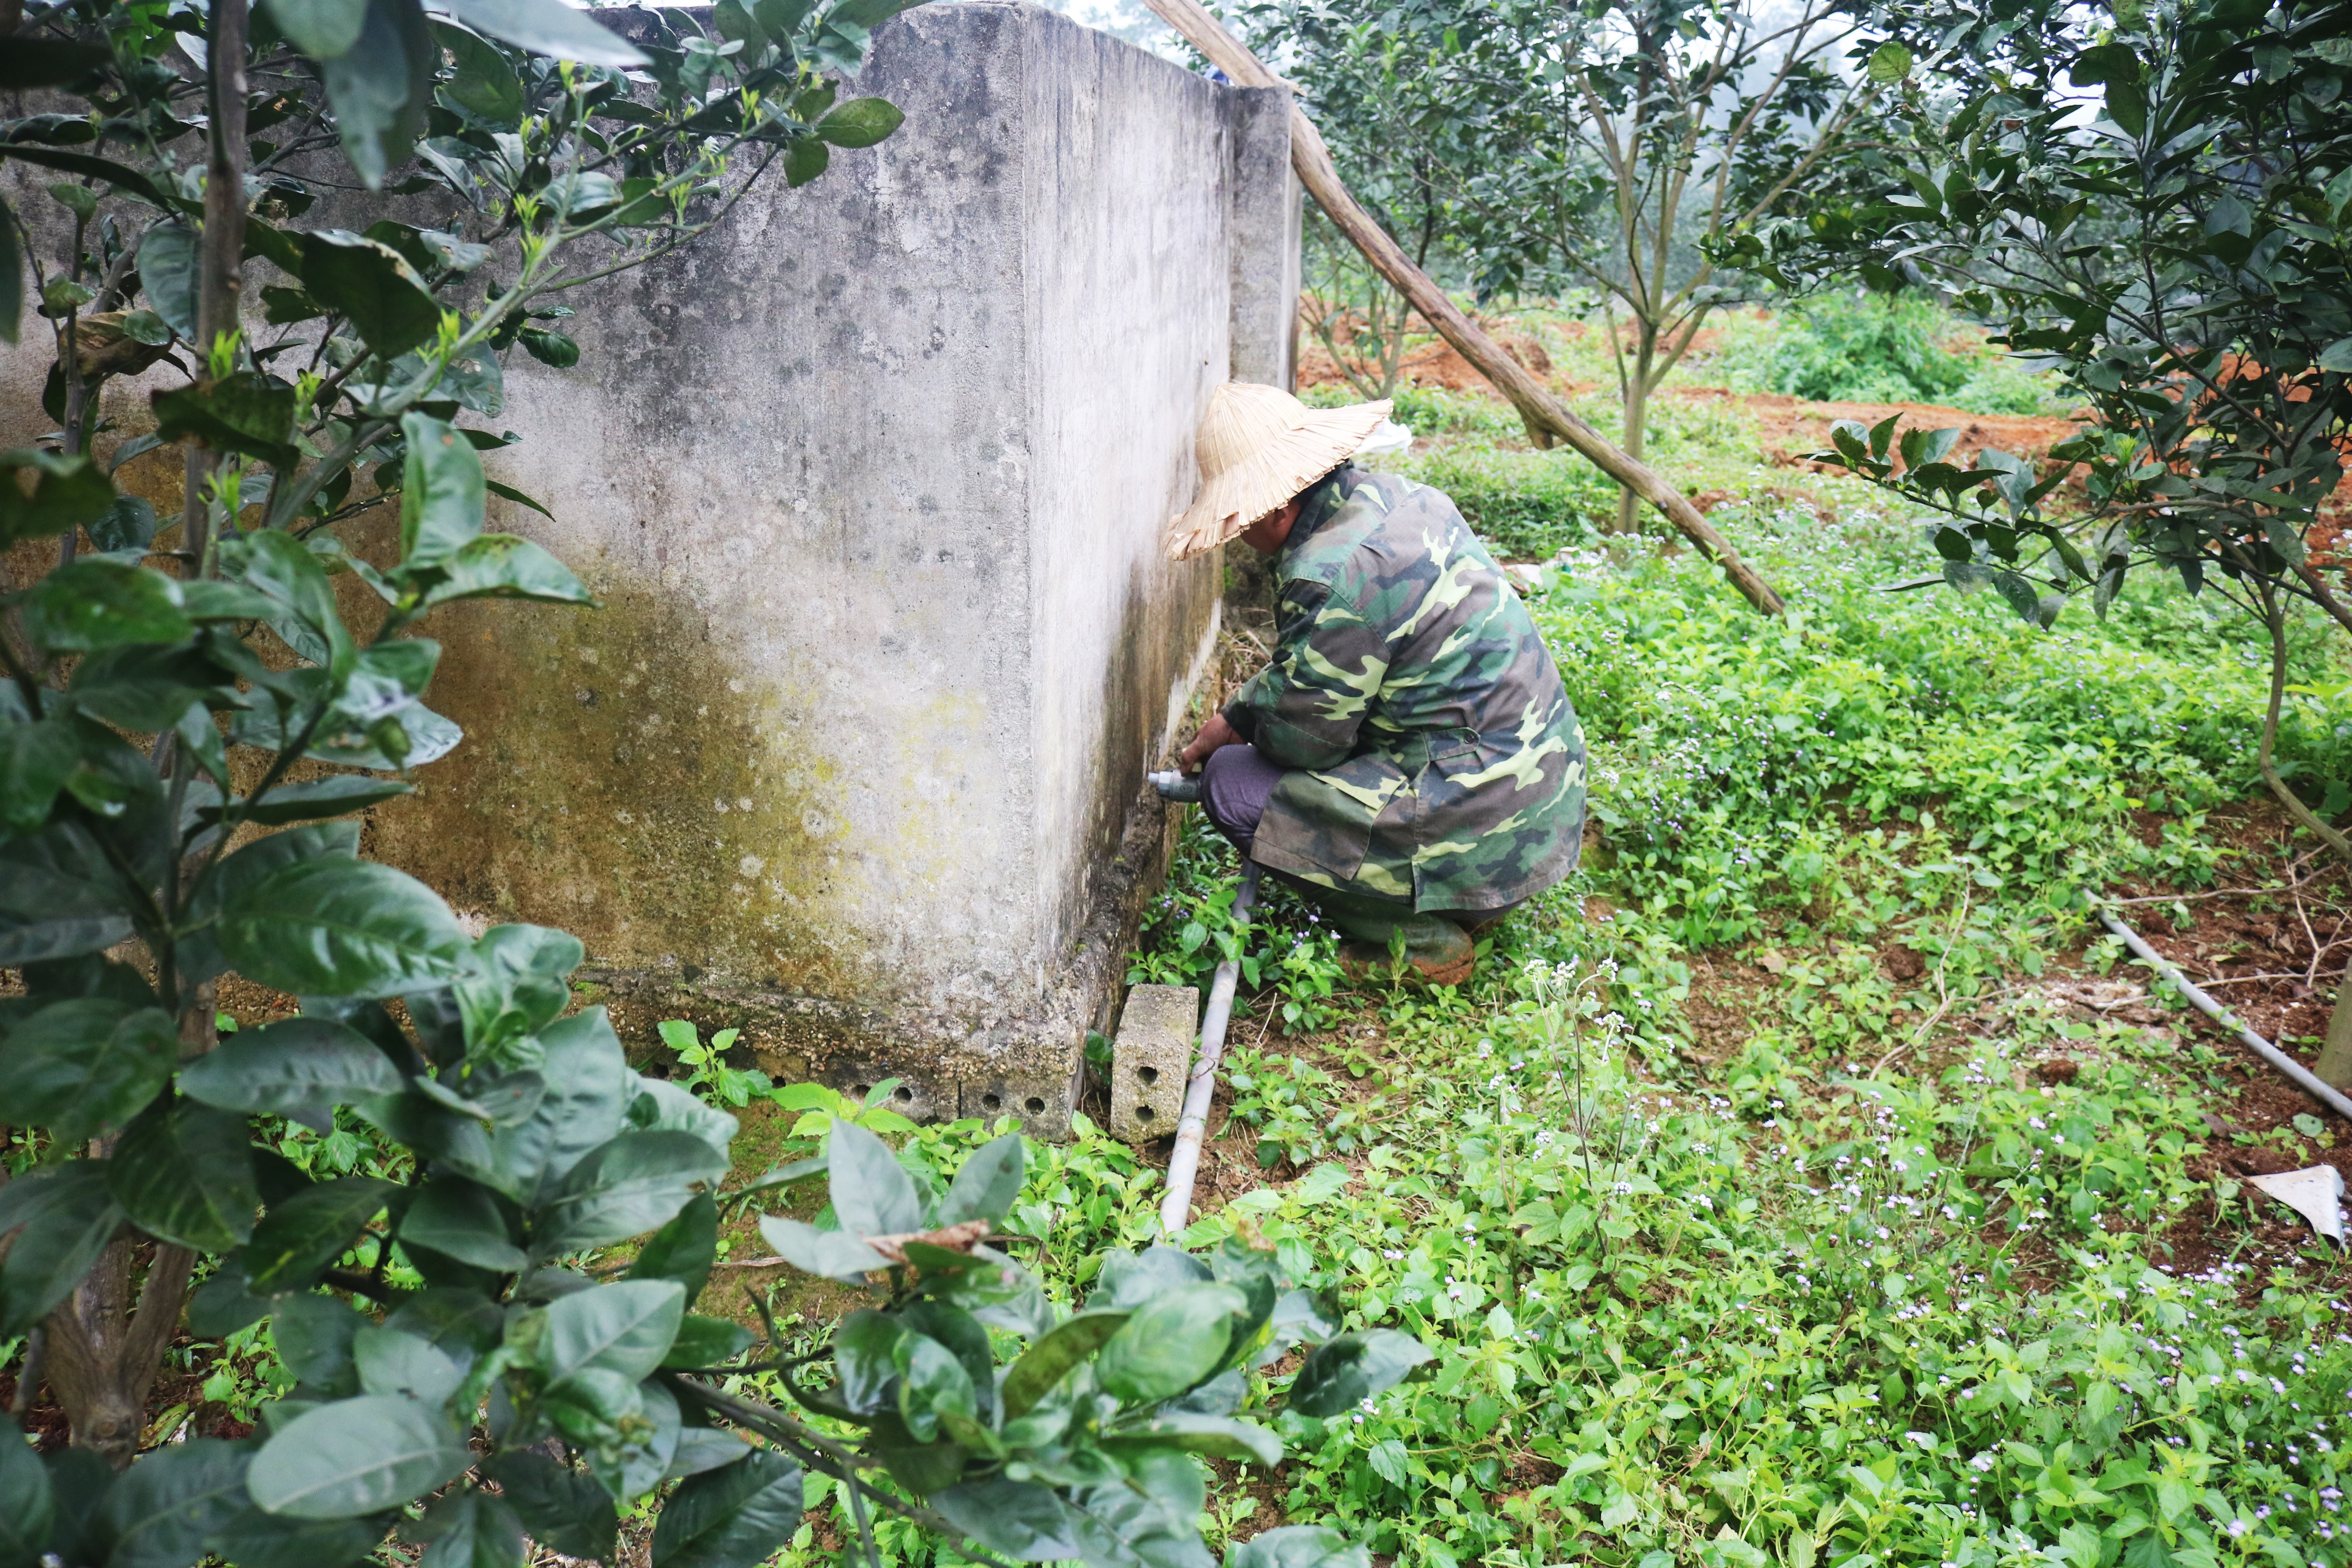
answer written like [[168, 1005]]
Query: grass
[[1874, 1269]]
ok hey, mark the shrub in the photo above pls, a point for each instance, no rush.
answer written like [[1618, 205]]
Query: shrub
[[1526, 506], [1867, 348]]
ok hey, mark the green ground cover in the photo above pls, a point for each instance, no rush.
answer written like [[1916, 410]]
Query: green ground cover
[[1738, 1240], [1854, 1285]]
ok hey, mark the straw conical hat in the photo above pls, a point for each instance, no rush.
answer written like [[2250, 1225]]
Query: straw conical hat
[[1258, 447]]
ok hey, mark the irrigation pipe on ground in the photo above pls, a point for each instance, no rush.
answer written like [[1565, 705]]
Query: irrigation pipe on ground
[[1192, 1125], [2300, 1076]]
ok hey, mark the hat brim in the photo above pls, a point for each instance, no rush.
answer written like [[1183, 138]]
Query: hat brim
[[1269, 478]]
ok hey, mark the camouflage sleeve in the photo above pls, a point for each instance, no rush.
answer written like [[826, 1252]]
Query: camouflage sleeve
[[1303, 709]]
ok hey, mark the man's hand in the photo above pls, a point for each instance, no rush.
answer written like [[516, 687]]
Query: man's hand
[[1214, 736]]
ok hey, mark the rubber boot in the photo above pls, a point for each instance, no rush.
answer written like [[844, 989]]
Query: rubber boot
[[1436, 951]]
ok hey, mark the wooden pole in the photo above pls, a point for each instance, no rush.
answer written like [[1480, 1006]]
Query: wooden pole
[[1534, 400]]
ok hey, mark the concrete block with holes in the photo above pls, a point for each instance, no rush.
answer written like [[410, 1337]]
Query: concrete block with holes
[[1150, 1060]]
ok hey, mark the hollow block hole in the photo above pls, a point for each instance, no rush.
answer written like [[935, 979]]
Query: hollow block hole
[[904, 1096], [860, 1089], [1144, 1113], [1033, 1105], [1149, 1075], [991, 1102]]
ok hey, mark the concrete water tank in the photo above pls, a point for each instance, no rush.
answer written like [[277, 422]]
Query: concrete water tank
[[872, 483]]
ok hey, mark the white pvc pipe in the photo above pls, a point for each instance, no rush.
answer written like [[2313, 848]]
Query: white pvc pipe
[[1192, 1125], [2302, 1076]]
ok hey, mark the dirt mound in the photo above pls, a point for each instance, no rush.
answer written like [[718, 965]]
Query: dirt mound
[[1791, 427]]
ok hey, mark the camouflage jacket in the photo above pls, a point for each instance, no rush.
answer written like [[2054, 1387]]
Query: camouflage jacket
[[1437, 756]]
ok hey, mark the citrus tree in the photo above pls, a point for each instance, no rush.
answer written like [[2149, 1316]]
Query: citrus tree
[[1601, 151], [2156, 202]]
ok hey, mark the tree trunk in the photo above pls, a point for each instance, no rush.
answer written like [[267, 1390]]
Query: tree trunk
[[2335, 1064], [101, 1356], [2333, 1067], [1637, 414], [102, 1346], [1514, 381]]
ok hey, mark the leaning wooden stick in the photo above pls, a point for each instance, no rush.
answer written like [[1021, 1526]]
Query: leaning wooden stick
[[1534, 400]]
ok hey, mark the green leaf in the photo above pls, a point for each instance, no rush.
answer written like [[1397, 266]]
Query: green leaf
[[506, 566], [356, 1457], [344, 928], [522, 986], [277, 565], [300, 1238], [314, 1335], [1217, 1437], [865, 1360], [390, 1361], [860, 122], [471, 1529], [564, 1510], [164, 1510], [184, 1175], [298, 1068], [379, 89], [200, 955], [98, 604], [516, 495], [84, 1067], [550, 348], [662, 1104], [872, 1193], [68, 1217], [707, 1342], [465, 1324], [167, 274], [1046, 1362], [130, 522], [148, 688], [589, 1085], [1299, 1546], [251, 411], [805, 160], [1170, 1343], [834, 1254], [631, 1185], [462, 1219], [737, 1516], [373, 286], [27, 1506], [35, 759], [685, 1249], [1348, 1369], [336, 795], [1889, 63], [625, 1328], [481, 82], [989, 1184], [2337, 357], [322, 29], [440, 492], [67, 493], [257, 1540], [548, 28], [1020, 1518], [933, 1385]]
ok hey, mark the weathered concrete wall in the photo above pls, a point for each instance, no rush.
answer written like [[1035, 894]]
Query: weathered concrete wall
[[872, 483], [1268, 205]]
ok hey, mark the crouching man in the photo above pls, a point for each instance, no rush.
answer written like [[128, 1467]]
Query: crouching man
[[1408, 761]]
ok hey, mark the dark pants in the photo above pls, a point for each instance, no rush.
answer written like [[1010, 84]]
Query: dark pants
[[1235, 784]]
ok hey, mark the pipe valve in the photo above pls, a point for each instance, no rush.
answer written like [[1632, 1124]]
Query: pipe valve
[[1174, 785]]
